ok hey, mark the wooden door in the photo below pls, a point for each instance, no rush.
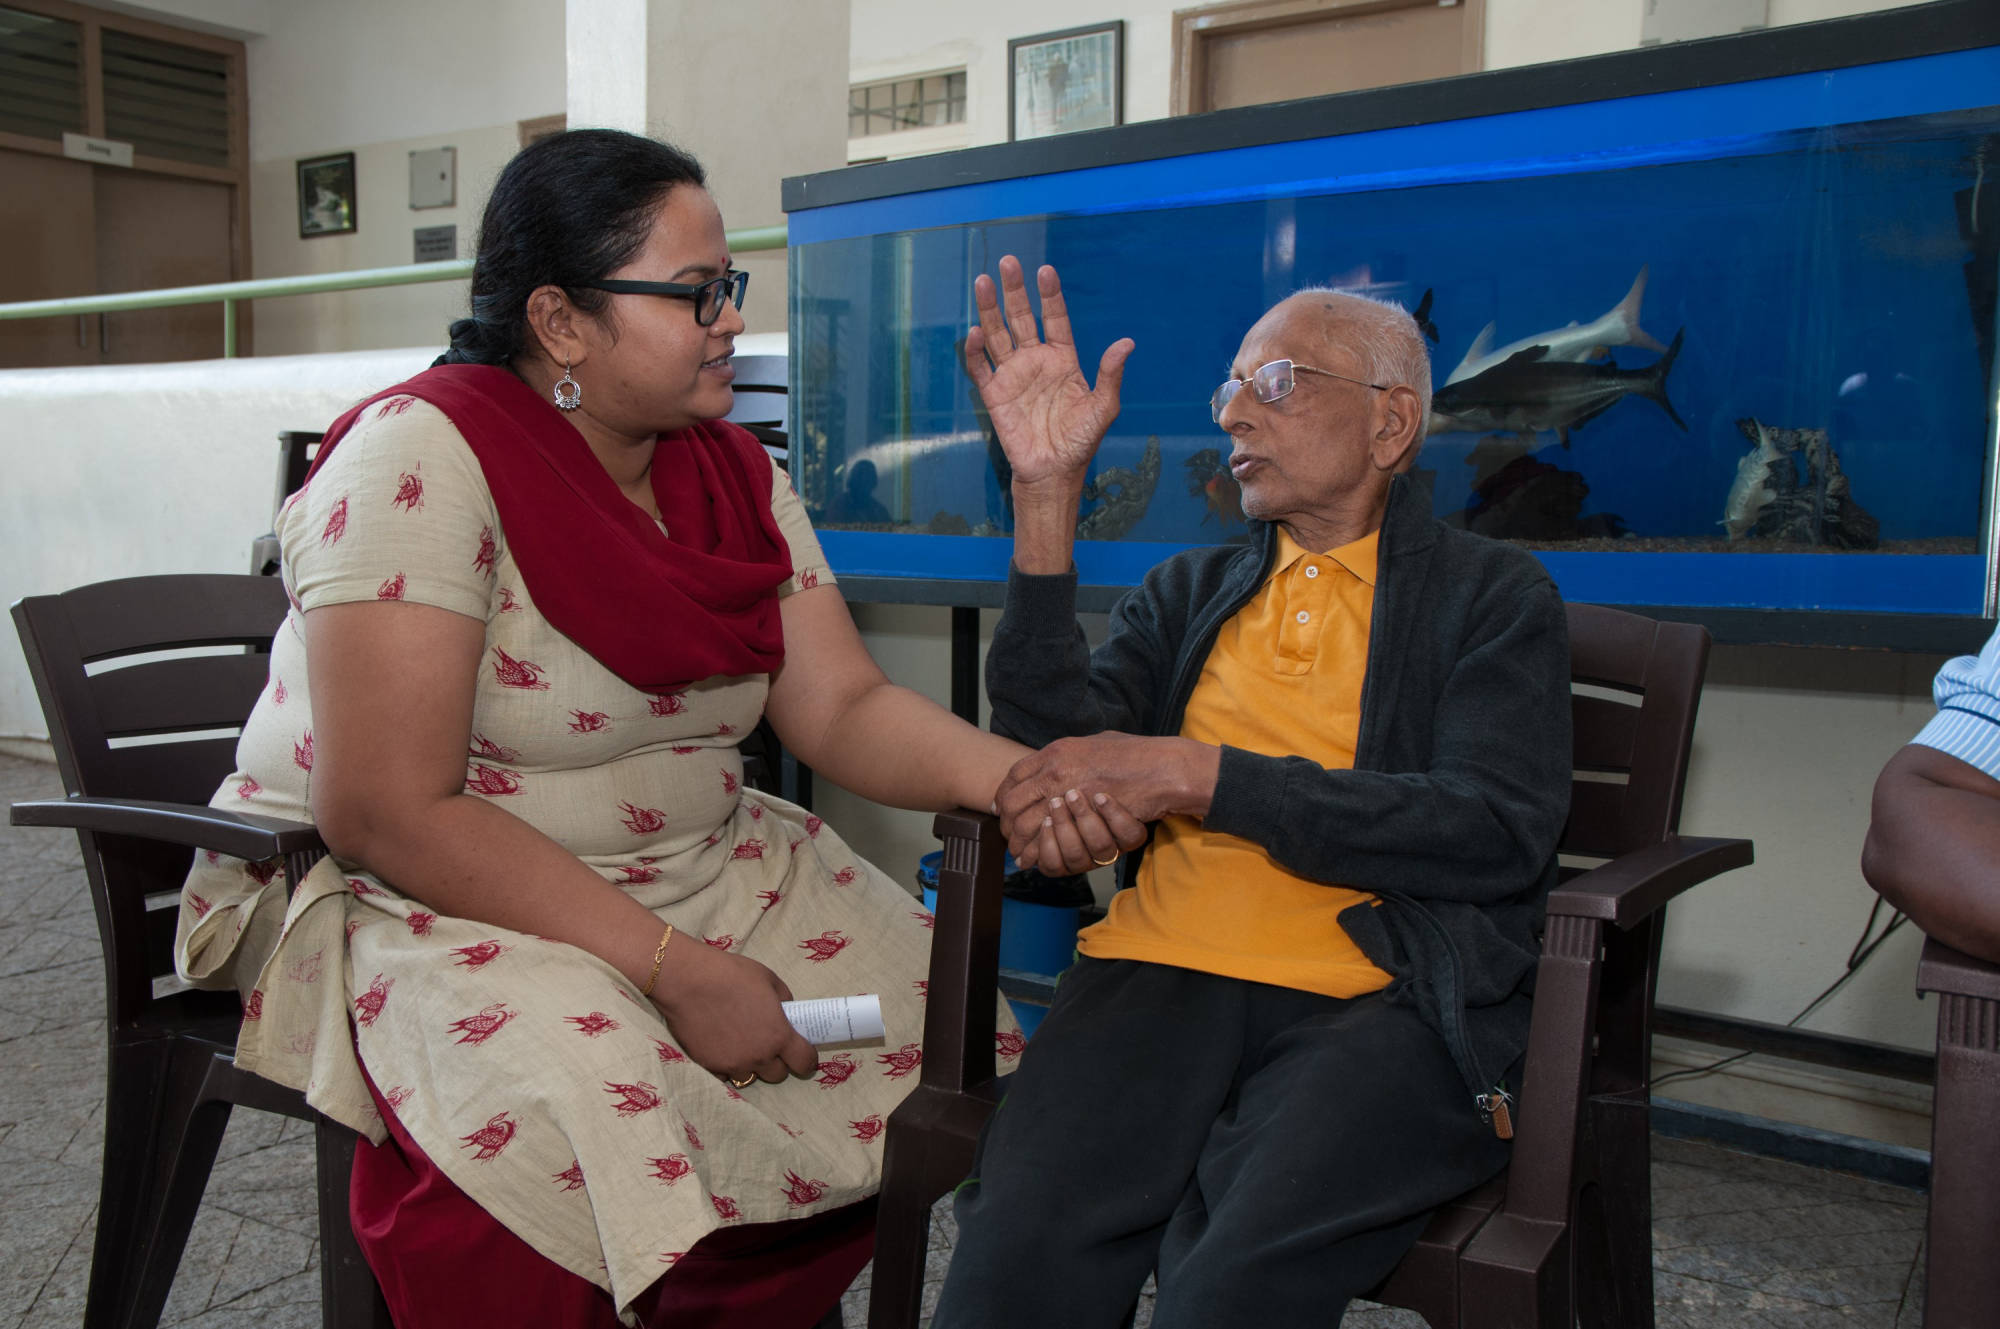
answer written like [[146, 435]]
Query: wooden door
[[41, 260], [154, 231], [1246, 54]]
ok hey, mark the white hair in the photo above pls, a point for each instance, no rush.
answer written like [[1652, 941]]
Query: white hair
[[1386, 338]]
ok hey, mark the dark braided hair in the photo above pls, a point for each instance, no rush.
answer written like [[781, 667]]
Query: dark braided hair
[[569, 209]]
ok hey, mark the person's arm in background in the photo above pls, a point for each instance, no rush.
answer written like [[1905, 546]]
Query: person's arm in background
[[1933, 847]]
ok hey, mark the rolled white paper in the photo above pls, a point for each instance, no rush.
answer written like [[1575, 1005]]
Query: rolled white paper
[[836, 1019]]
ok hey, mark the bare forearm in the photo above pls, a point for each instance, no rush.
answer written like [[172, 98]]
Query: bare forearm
[[1045, 525], [467, 858], [891, 745], [1932, 850]]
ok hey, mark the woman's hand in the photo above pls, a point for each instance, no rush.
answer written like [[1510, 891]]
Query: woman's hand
[[1048, 419], [723, 1010]]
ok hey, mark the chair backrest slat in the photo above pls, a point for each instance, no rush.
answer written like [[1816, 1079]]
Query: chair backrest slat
[[1605, 732], [1661, 665], [179, 696], [1596, 818], [135, 614], [186, 772], [760, 387]]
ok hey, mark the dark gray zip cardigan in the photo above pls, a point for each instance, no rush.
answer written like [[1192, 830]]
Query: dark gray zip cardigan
[[1461, 768]]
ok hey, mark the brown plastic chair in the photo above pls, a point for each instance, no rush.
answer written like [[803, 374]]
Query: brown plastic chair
[[1565, 1234], [1962, 1257], [172, 1076]]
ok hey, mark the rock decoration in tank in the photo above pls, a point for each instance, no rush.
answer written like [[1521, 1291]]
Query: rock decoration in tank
[[1121, 494], [1789, 487], [1521, 497], [948, 523], [1209, 480]]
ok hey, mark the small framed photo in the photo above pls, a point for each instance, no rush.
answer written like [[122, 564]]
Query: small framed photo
[[326, 195], [1058, 82]]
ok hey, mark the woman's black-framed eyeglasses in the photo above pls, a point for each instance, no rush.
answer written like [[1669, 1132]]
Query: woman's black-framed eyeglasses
[[1269, 382], [707, 296]]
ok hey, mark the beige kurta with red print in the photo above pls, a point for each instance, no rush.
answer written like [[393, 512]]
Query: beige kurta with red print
[[531, 1072]]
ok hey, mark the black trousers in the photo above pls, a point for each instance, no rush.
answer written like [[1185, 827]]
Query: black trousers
[[1271, 1153]]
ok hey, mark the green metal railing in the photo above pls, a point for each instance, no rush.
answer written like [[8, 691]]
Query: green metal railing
[[229, 293]]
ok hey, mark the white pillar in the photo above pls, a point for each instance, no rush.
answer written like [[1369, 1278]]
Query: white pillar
[[606, 61], [757, 89]]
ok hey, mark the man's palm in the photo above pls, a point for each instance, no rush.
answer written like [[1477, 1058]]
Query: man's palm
[[1048, 419]]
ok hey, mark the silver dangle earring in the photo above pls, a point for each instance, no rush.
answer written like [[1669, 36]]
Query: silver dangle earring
[[569, 393]]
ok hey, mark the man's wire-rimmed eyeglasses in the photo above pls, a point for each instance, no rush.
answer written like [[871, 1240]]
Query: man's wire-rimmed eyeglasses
[[707, 296], [1272, 381]]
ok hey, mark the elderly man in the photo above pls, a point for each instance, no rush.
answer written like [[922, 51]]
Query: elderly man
[[1296, 1030]]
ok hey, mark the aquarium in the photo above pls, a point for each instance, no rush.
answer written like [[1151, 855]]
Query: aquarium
[[1727, 345]]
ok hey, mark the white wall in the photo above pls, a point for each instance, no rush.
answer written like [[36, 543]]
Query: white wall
[[141, 469], [380, 79], [896, 38], [329, 77]]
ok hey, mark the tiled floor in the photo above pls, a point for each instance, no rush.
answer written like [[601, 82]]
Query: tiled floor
[[1738, 1240]]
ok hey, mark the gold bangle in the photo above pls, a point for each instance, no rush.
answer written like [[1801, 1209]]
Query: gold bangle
[[659, 954]]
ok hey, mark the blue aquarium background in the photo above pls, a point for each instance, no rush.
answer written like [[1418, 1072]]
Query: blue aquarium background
[[1828, 268]]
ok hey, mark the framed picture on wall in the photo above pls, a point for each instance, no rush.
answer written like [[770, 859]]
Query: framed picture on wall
[[1058, 82], [326, 195]]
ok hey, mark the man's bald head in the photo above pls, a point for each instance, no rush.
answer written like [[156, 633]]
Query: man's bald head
[[1382, 335]]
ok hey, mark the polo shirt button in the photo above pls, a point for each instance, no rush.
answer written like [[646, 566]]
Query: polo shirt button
[[1312, 572], [1304, 617]]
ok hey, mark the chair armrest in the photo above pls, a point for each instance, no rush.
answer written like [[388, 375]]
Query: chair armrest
[[1633, 886], [959, 1009], [1942, 969], [246, 835]]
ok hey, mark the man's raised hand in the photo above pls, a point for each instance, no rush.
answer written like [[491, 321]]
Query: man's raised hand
[[1048, 419]]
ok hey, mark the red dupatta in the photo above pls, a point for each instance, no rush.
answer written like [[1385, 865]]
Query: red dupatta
[[659, 611]]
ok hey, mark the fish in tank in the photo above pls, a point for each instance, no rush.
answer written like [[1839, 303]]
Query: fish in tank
[[1602, 327]]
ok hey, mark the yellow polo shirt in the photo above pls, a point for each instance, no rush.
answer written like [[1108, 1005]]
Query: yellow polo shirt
[[1284, 678]]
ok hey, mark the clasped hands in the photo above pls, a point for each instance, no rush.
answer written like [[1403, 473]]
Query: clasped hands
[[1081, 802]]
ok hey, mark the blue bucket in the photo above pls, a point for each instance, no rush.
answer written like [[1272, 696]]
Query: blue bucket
[[1034, 938]]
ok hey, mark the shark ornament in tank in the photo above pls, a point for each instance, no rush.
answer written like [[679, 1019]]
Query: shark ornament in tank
[[1422, 315], [1529, 392], [1617, 326]]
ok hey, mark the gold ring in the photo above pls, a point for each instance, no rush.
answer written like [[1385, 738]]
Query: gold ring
[[745, 1080], [1106, 862]]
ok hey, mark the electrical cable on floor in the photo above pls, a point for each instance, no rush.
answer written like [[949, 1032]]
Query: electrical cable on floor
[[1864, 950]]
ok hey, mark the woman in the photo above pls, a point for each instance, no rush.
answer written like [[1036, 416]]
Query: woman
[[537, 599]]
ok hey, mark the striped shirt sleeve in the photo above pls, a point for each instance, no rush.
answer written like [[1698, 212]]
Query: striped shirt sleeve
[[1967, 725]]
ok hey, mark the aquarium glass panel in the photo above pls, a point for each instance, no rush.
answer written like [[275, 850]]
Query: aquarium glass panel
[[1746, 366]]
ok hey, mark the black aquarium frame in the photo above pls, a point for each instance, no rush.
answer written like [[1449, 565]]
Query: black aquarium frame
[[1937, 28]]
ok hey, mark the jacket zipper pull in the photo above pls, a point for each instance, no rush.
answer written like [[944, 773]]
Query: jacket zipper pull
[[1495, 1109]]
